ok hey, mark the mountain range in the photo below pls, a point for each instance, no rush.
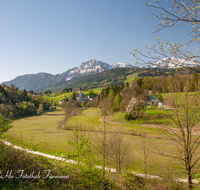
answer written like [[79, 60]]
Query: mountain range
[[172, 62], [91, 67]]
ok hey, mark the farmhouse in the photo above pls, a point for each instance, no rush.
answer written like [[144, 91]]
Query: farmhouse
[[152, 100]]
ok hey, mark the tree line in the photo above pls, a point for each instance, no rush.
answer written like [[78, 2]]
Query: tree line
[[15, 102]]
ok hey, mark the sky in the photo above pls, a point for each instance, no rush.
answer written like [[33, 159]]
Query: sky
[[53, 36]]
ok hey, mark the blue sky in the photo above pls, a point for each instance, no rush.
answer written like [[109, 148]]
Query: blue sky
[[55, 35]]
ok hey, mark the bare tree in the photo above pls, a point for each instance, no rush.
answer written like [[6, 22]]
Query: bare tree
[[170, 14], [69, 109], [185, 117], [106, 109], [145, 153], [120, 152]]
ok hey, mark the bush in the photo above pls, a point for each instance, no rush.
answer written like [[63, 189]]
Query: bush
[[130, 116], [10, 115], [130, 181]]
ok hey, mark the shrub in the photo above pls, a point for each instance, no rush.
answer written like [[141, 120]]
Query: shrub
[[10, 115], [130, 116]]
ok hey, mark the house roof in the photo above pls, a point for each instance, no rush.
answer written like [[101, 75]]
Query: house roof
[[154, 99], [151, 99], [147, 98]]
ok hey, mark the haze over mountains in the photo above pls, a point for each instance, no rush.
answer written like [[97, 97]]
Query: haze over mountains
[[91, 67]]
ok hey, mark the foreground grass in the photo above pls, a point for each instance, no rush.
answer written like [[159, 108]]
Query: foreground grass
[[81, 177]]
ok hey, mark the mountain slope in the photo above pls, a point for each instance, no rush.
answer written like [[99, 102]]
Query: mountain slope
[[30, 81], [34, 81], [107, 78], [122, 65], [175, 63], [110, 77]]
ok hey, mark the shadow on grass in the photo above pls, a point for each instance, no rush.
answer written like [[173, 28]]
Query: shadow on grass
[[34, 115]]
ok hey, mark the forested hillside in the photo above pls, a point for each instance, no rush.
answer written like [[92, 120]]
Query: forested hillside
[[107, 78], [15, 102]]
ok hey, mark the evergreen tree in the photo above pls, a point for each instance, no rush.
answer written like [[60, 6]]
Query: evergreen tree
[[117, 101], [1, 89], [73, 96]]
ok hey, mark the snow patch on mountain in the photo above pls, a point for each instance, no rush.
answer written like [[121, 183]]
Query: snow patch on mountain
[[175, 63], [121, 65], [68, 78], [90, 67]]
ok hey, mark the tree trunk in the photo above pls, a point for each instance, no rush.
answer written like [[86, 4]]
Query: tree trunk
[[189, 181]]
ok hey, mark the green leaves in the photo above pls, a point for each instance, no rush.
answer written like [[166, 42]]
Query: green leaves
[[4, 125]]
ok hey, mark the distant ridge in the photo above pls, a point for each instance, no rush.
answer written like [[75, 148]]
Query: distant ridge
[[35, 81]]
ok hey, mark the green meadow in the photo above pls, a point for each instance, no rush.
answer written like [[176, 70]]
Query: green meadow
[[131, 77], [43, 133], [68, 94]]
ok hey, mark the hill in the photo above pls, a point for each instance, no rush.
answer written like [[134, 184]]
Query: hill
[[107, 78]]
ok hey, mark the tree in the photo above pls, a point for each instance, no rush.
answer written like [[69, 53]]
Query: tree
[[73, 96], [134, 107], [4, 125], [106, 109], [69, 109], [40, 107], [185, 116], [48, 92], [117, 101], [120, 149], [174, 13], [51, 101], [90, 92]]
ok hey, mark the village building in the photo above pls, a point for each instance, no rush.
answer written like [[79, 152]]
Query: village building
[[152, 100], [36, 94], [63, 100], [80, 96]]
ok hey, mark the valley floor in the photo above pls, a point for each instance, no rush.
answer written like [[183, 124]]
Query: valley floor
[[43, 133]]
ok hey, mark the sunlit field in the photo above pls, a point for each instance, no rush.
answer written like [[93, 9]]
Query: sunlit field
[[43, 133]]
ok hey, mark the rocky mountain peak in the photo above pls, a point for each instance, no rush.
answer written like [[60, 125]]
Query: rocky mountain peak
[[172, 62], [122, 64]]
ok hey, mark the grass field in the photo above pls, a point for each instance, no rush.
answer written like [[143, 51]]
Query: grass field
[[43, 133], [131, 77], [68, 94], [165, 95]]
